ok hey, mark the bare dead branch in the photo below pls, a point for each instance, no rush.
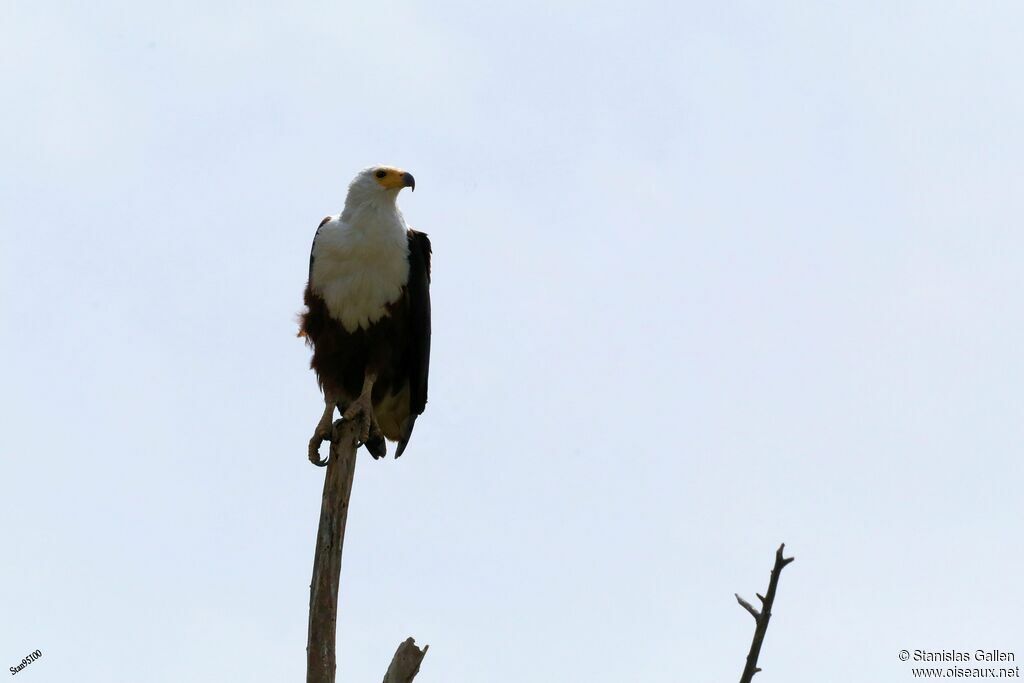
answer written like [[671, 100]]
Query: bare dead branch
[[406, 662], [321, 660], [762, 617]]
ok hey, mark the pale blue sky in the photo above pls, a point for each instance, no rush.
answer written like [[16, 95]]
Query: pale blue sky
[[707, 277]]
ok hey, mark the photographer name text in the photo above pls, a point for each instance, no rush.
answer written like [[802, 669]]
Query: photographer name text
[[963, 656]]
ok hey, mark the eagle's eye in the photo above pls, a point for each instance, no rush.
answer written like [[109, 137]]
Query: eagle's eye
[[380, 174]]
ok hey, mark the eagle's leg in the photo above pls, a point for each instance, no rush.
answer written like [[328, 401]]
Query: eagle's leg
[[323, 429], [362, 409]]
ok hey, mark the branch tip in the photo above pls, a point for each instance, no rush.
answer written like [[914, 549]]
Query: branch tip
[[406, 662], [761, 617], [747, 606]]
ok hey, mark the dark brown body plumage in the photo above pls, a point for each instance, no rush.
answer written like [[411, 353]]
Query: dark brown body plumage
[[396, 348]]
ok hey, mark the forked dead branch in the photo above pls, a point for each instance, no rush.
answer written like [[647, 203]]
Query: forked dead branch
[[761, 616]]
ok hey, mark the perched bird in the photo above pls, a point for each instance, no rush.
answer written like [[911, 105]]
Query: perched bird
[[367, 314]]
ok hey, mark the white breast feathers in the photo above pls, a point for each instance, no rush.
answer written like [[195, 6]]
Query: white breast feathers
[[361, 266]]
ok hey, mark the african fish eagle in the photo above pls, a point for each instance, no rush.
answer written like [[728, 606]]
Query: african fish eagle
[[368, 314]]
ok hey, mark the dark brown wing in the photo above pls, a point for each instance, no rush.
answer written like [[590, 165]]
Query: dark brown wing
[[309, 319], [418, 294], [312, 247]]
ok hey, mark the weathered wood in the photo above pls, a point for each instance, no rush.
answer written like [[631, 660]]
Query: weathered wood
[[406, 662], [321, 662], [762, 616]]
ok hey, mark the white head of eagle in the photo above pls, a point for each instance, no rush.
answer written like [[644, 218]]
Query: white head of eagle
[[368, 308]]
